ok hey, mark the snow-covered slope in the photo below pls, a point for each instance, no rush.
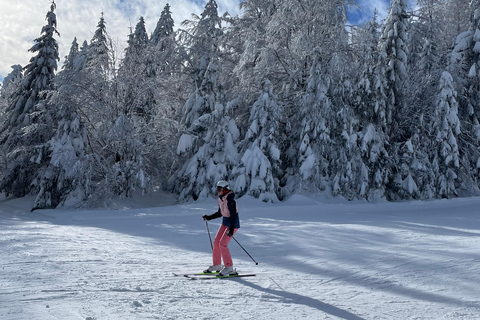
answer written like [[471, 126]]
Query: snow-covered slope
[[318, 259]]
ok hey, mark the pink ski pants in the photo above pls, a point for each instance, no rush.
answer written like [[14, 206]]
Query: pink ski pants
[[220, 247]]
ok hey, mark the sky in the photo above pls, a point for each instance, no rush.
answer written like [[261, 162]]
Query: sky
[[23, 21]]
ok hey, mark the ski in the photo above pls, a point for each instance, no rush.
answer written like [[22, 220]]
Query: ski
[[209, 277], [194, 274]]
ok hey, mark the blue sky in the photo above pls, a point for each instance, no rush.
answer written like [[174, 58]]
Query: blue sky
[[23, 20]]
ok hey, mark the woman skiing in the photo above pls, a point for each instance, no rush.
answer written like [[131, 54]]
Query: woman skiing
[[228, 209]]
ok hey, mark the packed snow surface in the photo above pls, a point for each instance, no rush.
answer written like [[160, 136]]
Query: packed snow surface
[[318, 259]]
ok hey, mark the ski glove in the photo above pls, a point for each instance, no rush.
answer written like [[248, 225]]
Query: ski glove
[[212, 216], [230, 233]]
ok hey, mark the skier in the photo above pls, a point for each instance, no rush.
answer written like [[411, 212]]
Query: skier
[[228, 209]]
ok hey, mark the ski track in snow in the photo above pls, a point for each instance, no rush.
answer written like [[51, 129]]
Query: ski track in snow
[[331, 260]]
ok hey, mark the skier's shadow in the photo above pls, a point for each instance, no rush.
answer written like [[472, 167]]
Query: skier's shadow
[[299, 299]]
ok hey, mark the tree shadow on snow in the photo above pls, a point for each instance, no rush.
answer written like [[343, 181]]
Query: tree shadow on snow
[[294, 298]]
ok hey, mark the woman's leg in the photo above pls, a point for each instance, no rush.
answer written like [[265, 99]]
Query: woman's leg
[[217, 252], [224, 240]]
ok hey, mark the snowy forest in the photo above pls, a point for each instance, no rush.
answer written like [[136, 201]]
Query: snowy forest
[[284, 98]]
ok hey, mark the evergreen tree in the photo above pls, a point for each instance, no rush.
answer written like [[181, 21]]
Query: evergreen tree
[[447, 128], [205, 109], [315, 142], [425, 69], [429, 26], [394, 56], [11, 80], [140, 37], [201, 38], [214, 159], [206, 90], [465, 67], [370, 108], [80, 61], [163, 30], [99, 58], [163, 47], [259, 171], [251, 44], [135, 82], [27, 125], [402, 119], [345, 160], [69, 63], [66, 177], [128, 168], [368, 49], [455, 19], [8, 87]]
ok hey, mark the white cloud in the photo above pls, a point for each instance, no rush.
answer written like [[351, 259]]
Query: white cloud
[[22, 22]]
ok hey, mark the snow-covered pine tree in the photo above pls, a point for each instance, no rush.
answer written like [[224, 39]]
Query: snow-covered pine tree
[[425, 68], [8, 87], [394, 53], [96, 63], [454, 19], [204, 55], [208, 144], [465, 68], [127, 172], [80, 61], [69, 63], [164, 29], [216, 157], [402, 119], [429, 34], [206, 32], [136, 85], [368, 38], [447, 129], [169, 85], [66, 177], [254, 54], [345, 161], [214, 151], [315, 136], [369, 107], [131, 129], [140, 37], [163, 47], [11, 81], [99, 53], [259, 169], [27, 125], [166, 62]]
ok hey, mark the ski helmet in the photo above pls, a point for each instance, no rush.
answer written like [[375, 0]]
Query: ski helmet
[[222, 184]]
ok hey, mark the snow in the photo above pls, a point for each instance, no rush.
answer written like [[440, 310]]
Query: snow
[[319, 258], [185, 144]]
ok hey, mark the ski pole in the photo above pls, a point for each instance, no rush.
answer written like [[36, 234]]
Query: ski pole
[[245, 250], [208, 230]]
